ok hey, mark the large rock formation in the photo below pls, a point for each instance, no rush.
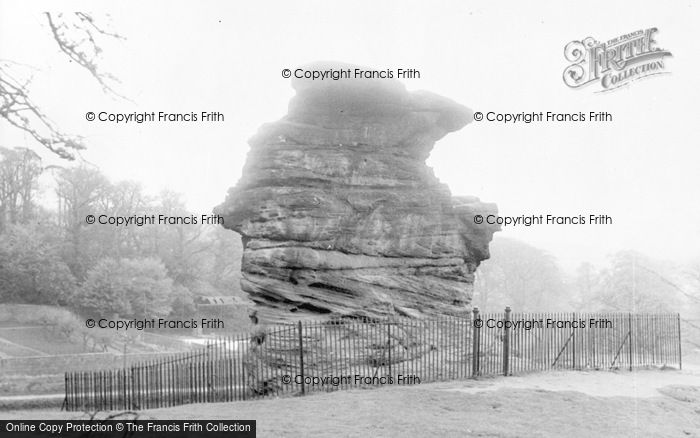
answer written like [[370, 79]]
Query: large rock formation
[[340, 216]]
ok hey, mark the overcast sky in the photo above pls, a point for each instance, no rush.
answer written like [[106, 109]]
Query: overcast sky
[[225, 56]]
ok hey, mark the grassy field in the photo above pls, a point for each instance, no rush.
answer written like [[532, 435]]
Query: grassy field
[[31, 333], [572, 404], [41, 339], [35, 330]]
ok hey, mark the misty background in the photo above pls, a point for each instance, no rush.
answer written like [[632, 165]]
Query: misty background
[[639, 169]]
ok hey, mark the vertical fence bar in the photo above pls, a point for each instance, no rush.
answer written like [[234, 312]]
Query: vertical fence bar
[[641, 323], [423, 326], [241, 368], [440, 359], [680, 357], [666, 340], [441, 348], [459, 346], [111, 390], [388, 343], [301, 357], [629, 337], [177, 368], [97, 388], [435, 357], [673, 342], [654, 336], [67, 401], [354, 344], [573, 341], [475, 342], [454, 352], [85, 402], [506, 341], [430, 336], [230, 367]]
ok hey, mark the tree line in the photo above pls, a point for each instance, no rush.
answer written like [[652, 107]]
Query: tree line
[[529, 279], [50, 255]]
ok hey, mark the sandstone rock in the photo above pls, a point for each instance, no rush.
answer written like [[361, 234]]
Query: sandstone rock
[[340, 215]]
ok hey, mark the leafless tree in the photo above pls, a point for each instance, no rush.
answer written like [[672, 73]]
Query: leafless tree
[[78, 36], [19, 170]]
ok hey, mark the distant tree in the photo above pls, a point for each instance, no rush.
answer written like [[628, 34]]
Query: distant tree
[[20, 169], [120, 199], [634, 282], [691, 309], [31, 268], [80, 191], [585, 286], [521, 276], [692, 295], [182, 302], [196, 259], [66, 324], [130, 288], [183, 248]]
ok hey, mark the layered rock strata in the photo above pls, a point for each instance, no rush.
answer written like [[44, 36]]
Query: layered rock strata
[[341, 217]]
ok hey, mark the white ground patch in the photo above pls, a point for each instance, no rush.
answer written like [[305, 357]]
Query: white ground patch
[[643, 383]]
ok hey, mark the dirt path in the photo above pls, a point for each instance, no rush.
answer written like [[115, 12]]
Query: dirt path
[[34, 351]]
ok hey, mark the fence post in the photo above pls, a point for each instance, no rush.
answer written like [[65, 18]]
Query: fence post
[[573, 340], [301, 358], [131, 389], [629, 323], [506, 342], [68, 391], [680, 357], [476, 322], [388, 334]]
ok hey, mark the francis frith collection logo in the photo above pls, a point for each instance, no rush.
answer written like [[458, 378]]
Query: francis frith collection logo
[[615, 62]]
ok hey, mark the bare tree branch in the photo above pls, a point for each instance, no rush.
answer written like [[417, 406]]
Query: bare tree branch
[[79, 42], [21, 112]]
